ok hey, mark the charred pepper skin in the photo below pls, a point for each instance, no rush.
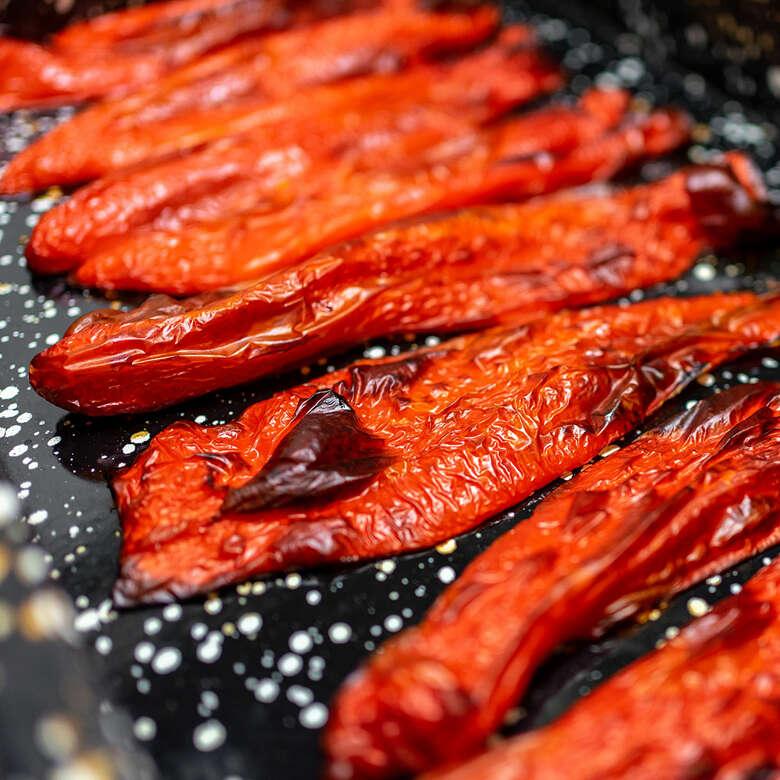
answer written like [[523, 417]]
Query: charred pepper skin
[[251, 246], [473, 427], [118, 52], [705, 705], [239, 87], [684, 501], [263, 172], [451, 273]]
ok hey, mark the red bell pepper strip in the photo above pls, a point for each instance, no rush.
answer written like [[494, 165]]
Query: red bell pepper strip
[[237, 87], [468, 428], [682, 502], [705, 705], [444, 274], [251, 246], [115, 53], [262, 172]]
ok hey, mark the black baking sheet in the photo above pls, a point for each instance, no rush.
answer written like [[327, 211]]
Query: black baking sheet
[[236, 686]]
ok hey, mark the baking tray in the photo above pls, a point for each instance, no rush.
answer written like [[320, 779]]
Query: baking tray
[[236, 685]]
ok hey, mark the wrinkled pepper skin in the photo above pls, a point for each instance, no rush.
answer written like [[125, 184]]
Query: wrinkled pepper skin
[[684, 501], [253, 172], [451, 273], [186, 29], [251, 246], [226, 92], [118, 52], [472, 426], [34, 76], [156, 25], [703, 706]]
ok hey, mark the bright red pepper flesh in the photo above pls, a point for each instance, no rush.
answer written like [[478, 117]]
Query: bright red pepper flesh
[[446, 274], [263, 171], [251, 246], [473, 426], [705, 705], [115, 53], [684, 501], [237, 87]]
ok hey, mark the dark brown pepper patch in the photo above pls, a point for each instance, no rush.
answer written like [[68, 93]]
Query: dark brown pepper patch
[[326, 450]]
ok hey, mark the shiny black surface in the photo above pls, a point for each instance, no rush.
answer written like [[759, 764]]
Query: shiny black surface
[[234, 685]]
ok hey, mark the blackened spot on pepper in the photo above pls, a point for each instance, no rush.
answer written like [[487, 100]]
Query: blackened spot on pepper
[[383, 378], [723, 205], [327, 450]]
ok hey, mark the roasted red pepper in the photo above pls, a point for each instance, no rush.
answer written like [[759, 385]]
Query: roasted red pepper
[[118, 52], [35, 76], [262, 172], [449, 273], [229, 91], [704, 706], [184, 29], [251, 246], [684, 501], [469, 428]]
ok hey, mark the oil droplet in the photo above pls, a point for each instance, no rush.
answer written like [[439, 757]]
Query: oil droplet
[[213, 605], [144, 729], [266, 691], [172, 612], [290, 664], [293, 580], [209, 736], [315, 716], [143, 652], [167, 660], [299, 695], [250, 623], [698, 607], [446, 574], [301, 642], [103, 645], [704, 272], [37, 517], [339, 633]]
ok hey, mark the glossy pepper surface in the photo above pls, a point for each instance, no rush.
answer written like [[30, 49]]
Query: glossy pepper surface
[[468, 428], [682, 502], [449, 273], [118, 52], [705, 705], [230, 90], [251, 246], [262, 172]]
